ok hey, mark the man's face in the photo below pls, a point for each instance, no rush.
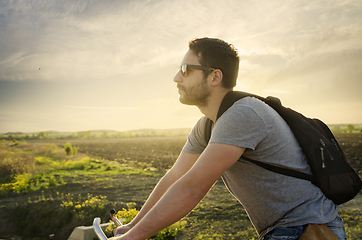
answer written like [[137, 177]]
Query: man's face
[[193, 88]]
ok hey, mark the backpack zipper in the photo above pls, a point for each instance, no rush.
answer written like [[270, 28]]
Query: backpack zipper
[[322, 152], [335, 144]]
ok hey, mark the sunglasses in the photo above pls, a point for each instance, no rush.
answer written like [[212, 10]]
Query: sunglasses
[[183, 68]]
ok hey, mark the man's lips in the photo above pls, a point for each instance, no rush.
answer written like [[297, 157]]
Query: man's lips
[[180, 88]]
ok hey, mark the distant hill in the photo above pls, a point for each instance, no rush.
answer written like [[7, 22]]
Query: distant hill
[[101, 133]]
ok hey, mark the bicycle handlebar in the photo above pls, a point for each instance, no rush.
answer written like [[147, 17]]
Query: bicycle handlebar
[[97, 225], [98, 230]]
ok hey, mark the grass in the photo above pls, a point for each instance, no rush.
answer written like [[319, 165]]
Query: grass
[[45, 167], [52, 192]]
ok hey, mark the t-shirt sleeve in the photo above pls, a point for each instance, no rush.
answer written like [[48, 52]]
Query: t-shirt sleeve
[[196, 142], [240, 126]]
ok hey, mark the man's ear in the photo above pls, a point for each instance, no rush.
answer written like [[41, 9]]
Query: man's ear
[[216, 77]]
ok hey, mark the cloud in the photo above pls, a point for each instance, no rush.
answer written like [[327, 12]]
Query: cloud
[[105, 56], [102, 108], [319, 63], [264, 59], [76, 37]]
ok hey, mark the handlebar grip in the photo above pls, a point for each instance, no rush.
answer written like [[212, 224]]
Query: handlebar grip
[[114, 218], [98, 230]]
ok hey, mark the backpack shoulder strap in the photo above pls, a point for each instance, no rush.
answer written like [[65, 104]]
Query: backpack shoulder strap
[[229, 99], [281, 170], [233, 96], [207, 129]]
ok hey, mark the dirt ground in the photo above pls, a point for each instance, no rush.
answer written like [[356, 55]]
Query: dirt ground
[[121, 189]]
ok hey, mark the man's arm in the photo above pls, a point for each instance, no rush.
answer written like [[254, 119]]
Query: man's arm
[[182, 165], [187, 191]]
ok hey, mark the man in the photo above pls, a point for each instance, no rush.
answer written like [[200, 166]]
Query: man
[[276, 204]]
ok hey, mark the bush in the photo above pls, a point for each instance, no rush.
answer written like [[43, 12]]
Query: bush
[[126, 216], [49, 216], [25, 183], [69, 149], [86, 208], [43, 161], [51, 150], [14, 163]]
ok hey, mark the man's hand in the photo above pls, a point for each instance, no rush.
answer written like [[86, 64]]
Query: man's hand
[[123, 229]]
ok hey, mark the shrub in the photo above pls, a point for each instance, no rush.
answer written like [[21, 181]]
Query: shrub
[[51, 150], [14, 163], [69, 149], [86, 208], [43, 161], [126, 216], [171, 231], [25, 183]]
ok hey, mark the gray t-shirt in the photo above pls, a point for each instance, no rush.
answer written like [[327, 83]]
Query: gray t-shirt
[[270, 199]]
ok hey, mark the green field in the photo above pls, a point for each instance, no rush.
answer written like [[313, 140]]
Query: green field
[[53, 191]]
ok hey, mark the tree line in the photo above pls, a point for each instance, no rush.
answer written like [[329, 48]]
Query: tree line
[[349, 128], [95, 134]]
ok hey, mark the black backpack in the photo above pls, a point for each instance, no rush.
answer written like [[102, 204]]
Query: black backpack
[[331, 171]]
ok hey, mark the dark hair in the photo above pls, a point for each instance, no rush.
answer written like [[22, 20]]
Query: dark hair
[[216, 53]]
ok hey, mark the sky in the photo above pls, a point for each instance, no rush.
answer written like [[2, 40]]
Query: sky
[[109, 65]]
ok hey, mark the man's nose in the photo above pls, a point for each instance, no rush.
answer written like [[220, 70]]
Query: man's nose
[[178, 77]]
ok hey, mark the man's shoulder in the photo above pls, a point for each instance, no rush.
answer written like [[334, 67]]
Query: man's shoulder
[[250, 102], [249, 107], [196, 142], [246, 107], [201, 122]]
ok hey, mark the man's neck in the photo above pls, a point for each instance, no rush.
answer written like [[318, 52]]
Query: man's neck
[[214, 103]]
